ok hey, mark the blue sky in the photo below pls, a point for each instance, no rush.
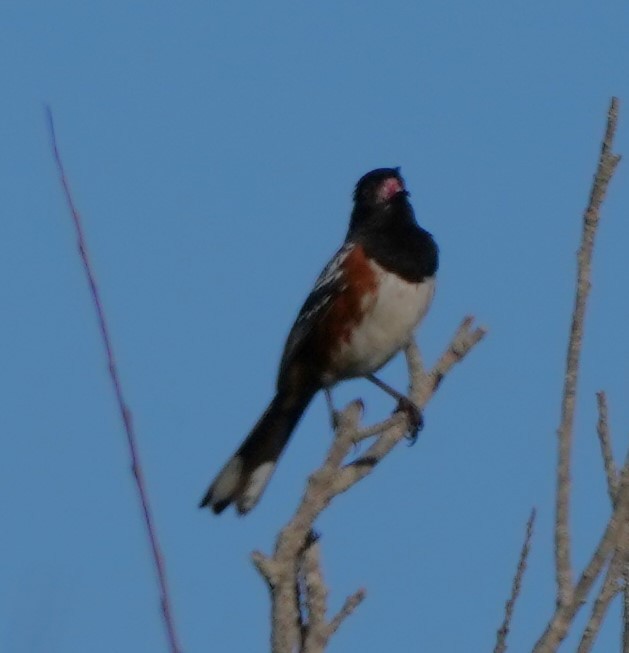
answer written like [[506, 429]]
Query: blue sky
[[212, 148]]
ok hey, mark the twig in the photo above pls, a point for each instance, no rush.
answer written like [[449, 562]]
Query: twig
[[557, 628], [608, 591], [606, 166], [351, 603], [464, 339], [616, 577], [503, 631], [125, 412], [602, 429]]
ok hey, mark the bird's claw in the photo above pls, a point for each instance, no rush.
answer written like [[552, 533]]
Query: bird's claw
[[414, 416]]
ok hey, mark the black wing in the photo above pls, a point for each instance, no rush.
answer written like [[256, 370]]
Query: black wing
[[328, 285]]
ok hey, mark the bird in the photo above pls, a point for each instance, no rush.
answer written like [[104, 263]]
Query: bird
[[362, 310]]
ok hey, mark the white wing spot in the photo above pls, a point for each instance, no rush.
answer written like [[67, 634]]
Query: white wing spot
[[331, 274], [315, 309], [333, 270]]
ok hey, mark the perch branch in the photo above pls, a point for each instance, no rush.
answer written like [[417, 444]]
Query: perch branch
[[422, 388], [294, 554]]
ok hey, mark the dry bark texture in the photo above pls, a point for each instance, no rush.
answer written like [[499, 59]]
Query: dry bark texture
[[299, 620]]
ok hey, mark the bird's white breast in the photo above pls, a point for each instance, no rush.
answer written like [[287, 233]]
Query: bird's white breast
[[391, 314]]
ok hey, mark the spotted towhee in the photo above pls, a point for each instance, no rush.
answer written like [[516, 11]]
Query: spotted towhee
[[361, 312]]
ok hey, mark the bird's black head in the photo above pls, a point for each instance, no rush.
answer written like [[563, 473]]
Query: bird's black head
[[379, 187], [380, 202]]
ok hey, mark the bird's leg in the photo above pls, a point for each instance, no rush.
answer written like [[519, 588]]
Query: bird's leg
[[405, 405], [334, 419]]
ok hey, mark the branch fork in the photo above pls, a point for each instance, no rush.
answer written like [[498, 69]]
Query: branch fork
[[293, 572]]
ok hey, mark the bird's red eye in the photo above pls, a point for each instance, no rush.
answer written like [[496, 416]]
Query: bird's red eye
[[389, 188]]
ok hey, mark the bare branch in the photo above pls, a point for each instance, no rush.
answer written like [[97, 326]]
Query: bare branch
[[464, 340], [285, 564], [617, 568], [315, 599], [608, 591], [422, 388], [125, 412], [606, 166], [351, 603], [286, 633], [503, 632], [557, 628], [266, 566], [378, 427], [292, 552], [602, 430]]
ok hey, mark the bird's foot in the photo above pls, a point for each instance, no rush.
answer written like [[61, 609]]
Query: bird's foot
[[414, 416]]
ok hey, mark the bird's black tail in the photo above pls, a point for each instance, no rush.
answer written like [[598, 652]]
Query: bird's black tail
[[246, 474]]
